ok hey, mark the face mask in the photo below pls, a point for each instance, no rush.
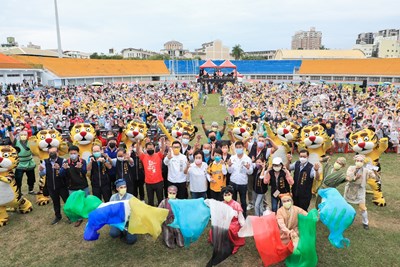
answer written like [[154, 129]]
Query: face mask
[[112, 145], [23, 137], [212, 138], [185, 141], [260, 144], [239, 151], [198, 161], [303, 160], [359, 164], [176, 151], [150, 152], [336, 166], [277, 169], [171, 196], [206, 151], [134, 149], [53, 155], [228, 198], [217, 158], [120, 158], [214, 129], [287, 205], [97, 154], [122, 191], [73, 156]]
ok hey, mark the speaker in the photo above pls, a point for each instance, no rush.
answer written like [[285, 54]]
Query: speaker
[[364, 84]]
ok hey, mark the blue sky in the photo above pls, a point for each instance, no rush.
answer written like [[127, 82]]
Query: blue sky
[[96, 25]]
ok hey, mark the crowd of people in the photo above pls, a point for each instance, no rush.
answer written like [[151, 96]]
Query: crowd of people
[[217, 166]]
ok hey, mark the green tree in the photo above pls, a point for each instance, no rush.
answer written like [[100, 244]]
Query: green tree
[[237, 52]]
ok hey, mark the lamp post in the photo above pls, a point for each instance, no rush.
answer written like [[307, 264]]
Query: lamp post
[[58, 31]]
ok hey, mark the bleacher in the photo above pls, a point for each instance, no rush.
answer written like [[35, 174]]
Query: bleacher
[[191, 67]]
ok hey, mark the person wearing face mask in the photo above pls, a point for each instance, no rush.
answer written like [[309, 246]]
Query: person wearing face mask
[[214, 128], [197, 176], [287, 218], [280, 180], [98, 166], [152, 163], [74, 172], [259, 187], [111, 151], [121, 195], [237, 221], [26, 163], [304, 175], [354, 191], [240, 166], [176, 163], [137, 174], [207, 152], [217, 175], [172, 236], [55, 182], [124, 168], [186, 149]]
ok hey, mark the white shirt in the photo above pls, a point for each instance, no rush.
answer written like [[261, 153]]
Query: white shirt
[[197, 177], [238, 170], [176, 165]]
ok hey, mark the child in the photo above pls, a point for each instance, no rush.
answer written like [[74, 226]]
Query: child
[[217, 171]]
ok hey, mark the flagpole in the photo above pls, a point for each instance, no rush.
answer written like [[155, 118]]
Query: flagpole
[[60, 54]]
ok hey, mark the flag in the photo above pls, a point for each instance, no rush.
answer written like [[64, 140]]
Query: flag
[[79, 206]]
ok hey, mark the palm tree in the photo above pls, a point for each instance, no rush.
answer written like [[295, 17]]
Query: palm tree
[[237, 52]]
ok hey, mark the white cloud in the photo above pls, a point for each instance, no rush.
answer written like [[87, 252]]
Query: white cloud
[[90, 26]]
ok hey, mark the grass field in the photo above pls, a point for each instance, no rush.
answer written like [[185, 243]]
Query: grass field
[[30, 240]]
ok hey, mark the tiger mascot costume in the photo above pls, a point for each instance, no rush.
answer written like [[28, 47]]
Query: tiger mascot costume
[[366, 142], [241, 130], [134, 131], [40, 145], [179, 127], [10, 196], [83, 135], [286, 133], [316, 141]]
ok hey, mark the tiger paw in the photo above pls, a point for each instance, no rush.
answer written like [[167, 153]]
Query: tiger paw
[[379, 202], [42, 200], [25, 206], [3, 222]]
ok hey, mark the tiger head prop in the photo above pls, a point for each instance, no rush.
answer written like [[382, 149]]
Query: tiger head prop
[[288, 131], [364, 141], [183, 126], [82, 134], [136, 130], [242, 129], [313, 136], [8, 159]]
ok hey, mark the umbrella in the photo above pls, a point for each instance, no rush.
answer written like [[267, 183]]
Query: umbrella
[[97, 84]]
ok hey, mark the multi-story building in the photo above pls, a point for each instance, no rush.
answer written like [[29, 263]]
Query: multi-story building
[[137, 53], [389, 33], [214, 50], [76, 54], [307, 40], [174, 49], [267, 54], [367, 49], [388, 47], [365, 38]]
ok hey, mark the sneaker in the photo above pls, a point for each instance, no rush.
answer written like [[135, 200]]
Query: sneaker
[[55, 221], [250, 207], [366, 227], [78, 223], [31, 192]]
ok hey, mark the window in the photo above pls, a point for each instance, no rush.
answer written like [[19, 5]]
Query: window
[[386, 79], [373, 79], [350, 78], [314, 78], [12, 75], [28, 75], [338, 78]]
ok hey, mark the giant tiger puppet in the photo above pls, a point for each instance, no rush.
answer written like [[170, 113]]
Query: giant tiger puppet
[[286, 134], [366, 142], [83, 135], [179, 127], [315, 140], [10, 196], [40, 145]]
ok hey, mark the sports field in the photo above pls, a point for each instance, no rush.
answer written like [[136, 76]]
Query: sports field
[[30, 240]]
